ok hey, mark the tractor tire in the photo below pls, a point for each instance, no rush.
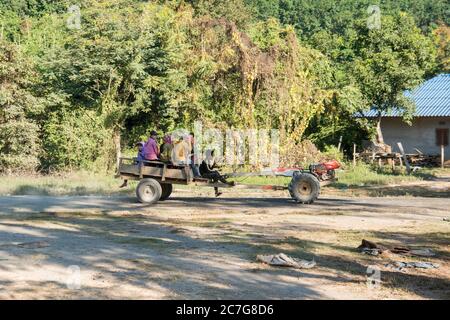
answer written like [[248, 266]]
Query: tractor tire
[[166, 191], [304, 188], [148, 191]]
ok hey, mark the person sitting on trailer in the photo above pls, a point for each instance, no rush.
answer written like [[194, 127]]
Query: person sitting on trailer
[[166, 149], [151, 149], [193, 158], [140, 155], [207, 171], [180, 152], [139, 158]]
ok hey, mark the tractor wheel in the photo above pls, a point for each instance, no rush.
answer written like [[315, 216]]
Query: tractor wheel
[[166, 191], [148, 191], [304, 188]]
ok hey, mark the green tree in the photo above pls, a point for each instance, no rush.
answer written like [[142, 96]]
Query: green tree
[[336, 28], [126, 60], [231, 10], [19, 134], [389, 60], [441, 37], [312, 16], [75, 138], [31, 8]]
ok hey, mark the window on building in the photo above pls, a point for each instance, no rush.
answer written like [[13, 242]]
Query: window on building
[[442, 137]]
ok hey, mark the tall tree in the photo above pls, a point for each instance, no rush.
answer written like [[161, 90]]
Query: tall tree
[[19, 144], [442, 40], [311, 16], [389, 60], [125, 59]]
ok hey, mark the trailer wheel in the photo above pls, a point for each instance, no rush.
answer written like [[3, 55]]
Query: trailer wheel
[[148, 191], [304, 188], [166, 191]]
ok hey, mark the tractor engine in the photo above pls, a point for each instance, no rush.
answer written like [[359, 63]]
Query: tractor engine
[[325, 170]]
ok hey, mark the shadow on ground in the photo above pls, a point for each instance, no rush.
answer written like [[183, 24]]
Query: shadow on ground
[[149, 254]]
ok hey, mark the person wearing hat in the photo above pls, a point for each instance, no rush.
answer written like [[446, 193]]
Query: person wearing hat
[[166, 148], [151, 149], [139, 157]]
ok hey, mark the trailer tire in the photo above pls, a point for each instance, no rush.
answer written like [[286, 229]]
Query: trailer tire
[[166, 191], [148, 191], [304, 188]]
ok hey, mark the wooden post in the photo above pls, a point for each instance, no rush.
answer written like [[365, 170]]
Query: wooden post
[[442, 155], [340, 142], [408, 168], [140, 166], [163, 178], [354, 154], [117, 146]]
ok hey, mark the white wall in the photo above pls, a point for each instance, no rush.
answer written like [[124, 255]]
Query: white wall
[[421, 135]]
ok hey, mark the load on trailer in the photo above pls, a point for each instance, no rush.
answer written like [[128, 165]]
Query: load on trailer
[[156, 179]]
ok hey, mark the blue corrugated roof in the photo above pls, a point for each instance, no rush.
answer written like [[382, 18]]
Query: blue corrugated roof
[[432, 99]]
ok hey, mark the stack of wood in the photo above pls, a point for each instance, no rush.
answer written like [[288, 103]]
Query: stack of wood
[[381, 157], [424, 160]]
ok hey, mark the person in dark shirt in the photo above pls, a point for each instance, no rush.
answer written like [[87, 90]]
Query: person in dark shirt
[[207, 171], [140, 155]]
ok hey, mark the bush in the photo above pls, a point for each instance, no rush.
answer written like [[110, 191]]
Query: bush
[[19, 143], [363, 175], [18, 146], [76, 139], [332, 152]]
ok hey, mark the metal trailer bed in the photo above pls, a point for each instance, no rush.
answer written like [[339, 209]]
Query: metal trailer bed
[[156, 179]]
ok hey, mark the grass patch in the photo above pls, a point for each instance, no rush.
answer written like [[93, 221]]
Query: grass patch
[[82, 183], [433, 172], [78, 183], [363, 175], [264, 180]]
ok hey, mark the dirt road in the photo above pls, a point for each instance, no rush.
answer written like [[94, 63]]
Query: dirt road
[[202, 247]]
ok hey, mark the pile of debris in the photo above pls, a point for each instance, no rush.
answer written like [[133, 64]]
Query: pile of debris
[[283, 260], [375, 249], [382, 154], [447, 164], [297, 154], [374, 147], [424, 160], [399, 266]]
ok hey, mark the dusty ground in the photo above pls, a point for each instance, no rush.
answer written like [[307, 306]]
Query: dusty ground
[[432, 187], [199, 247]]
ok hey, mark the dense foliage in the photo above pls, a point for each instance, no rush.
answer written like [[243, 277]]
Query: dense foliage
[[76, 97], [19, 141]]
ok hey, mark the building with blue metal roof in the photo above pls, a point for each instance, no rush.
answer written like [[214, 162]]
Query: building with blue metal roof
[[432, 99], [431, 124]]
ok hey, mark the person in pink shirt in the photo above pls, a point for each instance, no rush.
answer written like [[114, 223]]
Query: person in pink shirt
[[151, 149]]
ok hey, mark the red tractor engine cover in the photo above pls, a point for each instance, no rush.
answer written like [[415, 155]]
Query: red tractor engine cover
[[331, 165], [325, 167], [323, 170]]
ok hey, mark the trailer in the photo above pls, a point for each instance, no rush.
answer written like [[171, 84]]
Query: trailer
[[156, 179]]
